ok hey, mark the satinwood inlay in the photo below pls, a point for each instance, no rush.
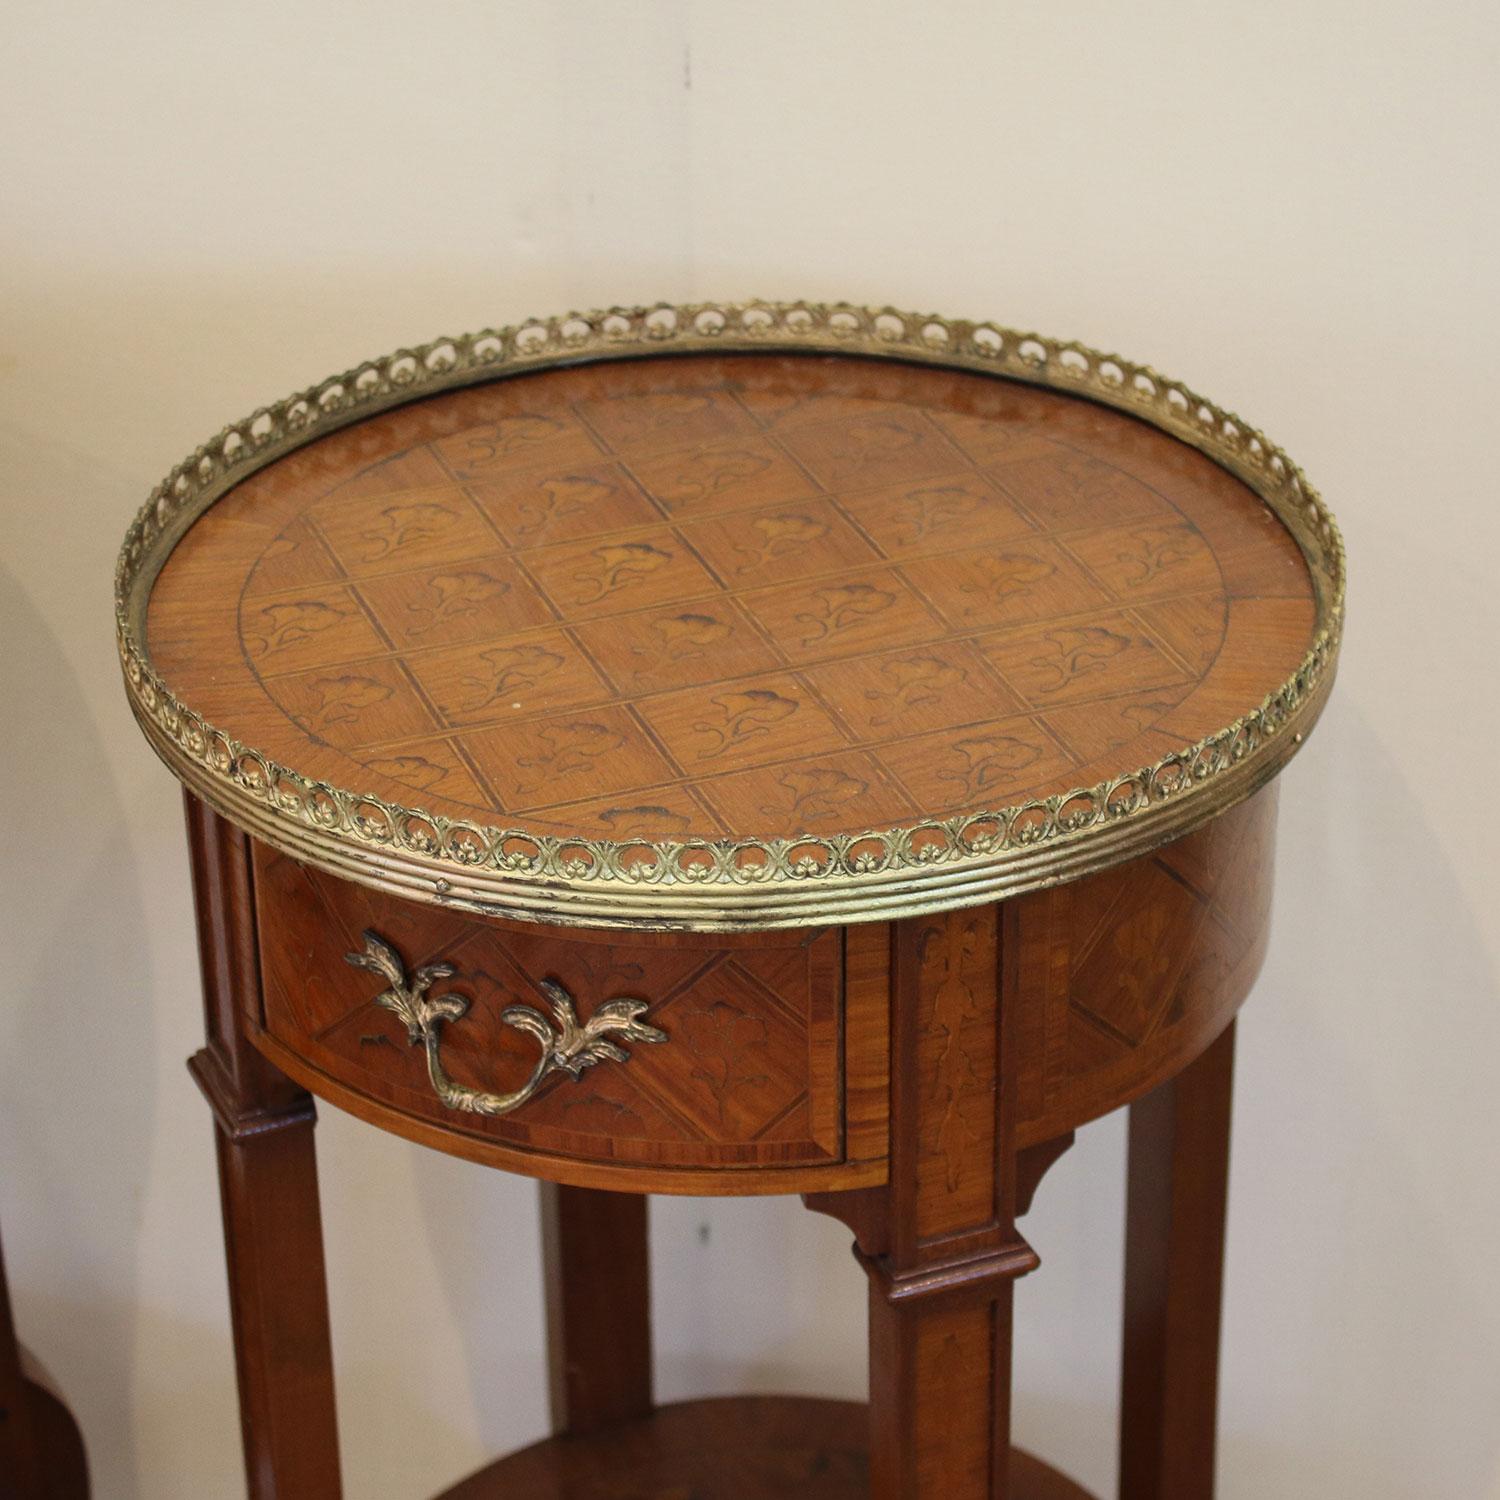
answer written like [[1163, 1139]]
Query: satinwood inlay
[[751, 595]]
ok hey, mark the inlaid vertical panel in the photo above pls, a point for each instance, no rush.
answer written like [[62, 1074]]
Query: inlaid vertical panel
[[956, 1072], [941, 1247]]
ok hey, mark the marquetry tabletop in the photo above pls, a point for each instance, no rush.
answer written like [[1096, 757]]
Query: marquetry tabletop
[[780, 623]]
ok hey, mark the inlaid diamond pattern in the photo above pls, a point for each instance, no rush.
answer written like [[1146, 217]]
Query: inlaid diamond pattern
[[739, 1065], [1185, 919]]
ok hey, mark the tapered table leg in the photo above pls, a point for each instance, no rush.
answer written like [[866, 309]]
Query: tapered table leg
[[939, 1241], [940, 1389], [269, 1188], [597, 1268], [1174, 1272]]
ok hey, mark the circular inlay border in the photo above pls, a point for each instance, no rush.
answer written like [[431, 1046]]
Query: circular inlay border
[[717, 885]]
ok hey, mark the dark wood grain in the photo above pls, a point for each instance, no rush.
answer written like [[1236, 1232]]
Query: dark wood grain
[[41, 1449], [269, 1190], [1174, 1272], [750, 596], [20, 1453], [596, 1261], [737, 1448]]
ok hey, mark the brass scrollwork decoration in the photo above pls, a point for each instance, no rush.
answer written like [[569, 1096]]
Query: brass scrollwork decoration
[[566, 1047]]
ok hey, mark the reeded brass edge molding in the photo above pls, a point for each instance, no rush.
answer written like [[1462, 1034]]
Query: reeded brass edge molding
[[708, 885]]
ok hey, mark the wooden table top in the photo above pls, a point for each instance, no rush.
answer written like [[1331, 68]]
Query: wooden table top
[[747, 596]]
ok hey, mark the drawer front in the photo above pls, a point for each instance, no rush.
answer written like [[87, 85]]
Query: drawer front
[[731, 1057]]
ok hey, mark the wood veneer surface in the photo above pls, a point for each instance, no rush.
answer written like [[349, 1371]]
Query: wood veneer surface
[[747, 595], [733, 1448]]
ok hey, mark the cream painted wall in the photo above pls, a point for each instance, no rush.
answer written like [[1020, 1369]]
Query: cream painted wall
[[1291, 205]]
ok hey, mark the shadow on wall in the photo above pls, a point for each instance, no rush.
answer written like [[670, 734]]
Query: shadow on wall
[[717, 1265], [77, 1065], [758, 1296], [472, 1331]]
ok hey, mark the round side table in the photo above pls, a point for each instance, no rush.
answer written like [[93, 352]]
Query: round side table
[[763, 749]]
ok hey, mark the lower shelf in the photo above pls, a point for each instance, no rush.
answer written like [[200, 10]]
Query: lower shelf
[[735, 1448]]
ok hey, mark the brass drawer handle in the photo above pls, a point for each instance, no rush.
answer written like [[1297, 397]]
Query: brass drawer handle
[[568, 1047]]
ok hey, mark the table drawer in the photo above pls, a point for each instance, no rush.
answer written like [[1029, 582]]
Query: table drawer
[[680, 1051]]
